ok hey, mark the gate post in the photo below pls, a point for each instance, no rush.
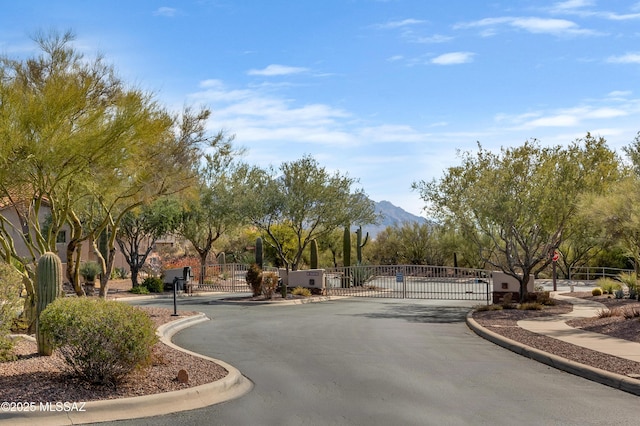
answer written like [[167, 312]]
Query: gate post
[[404, 282]]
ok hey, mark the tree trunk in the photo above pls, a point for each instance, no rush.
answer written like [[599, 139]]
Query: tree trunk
[[203, 266]]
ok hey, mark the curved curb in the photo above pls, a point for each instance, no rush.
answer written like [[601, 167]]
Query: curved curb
[[233, 385], [617, 381]]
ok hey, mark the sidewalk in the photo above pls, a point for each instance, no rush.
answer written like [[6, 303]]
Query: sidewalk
[[556, 327]]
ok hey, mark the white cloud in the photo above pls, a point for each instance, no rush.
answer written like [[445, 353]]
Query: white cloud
[[629, 58], [453, 58], [400, 24], [533, 25], [570, 5], [275, 70], [165, 11], [436, 38]]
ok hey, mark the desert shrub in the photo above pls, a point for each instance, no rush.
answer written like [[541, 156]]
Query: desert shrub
[[507, 302], [153, 284], [619, 293], [301, 291], [630, 280], [596, 291], [607, 313], [254, 279], [118, 273], [10, 288], [100, 341], [633, 293], [540, 296], [483, 308], [269, 283], [90, 270], [530, 306], [140, 289], [608, 285], [631, 313]]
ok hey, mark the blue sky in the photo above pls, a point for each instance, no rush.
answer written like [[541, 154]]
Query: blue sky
[[385, 90]]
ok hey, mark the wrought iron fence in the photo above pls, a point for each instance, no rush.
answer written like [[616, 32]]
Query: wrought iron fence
[[383, 281], [410, 282]]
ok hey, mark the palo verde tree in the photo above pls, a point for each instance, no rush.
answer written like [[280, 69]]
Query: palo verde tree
[[81, 146], [308, 201], [516, 205], [66, 121]]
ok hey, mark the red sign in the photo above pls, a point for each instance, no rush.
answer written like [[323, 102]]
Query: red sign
[[556, 256]]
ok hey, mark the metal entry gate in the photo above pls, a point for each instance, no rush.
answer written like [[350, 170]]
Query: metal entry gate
[[385, 281], [410, 282]]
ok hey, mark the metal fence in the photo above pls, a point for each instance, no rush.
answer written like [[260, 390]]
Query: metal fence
[[384, 281], [589, 273], [410, 282]]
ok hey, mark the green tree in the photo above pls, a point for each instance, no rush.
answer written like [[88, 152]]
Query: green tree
[[79, 142], [516, 206], [617, 215], [307, 200], [141, 227], [216, 209]]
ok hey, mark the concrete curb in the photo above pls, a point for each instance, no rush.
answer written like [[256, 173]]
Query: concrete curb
[[617, 381], [232, 386]]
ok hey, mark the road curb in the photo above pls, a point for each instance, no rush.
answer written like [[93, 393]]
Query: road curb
[[232, 386], [617, 381]]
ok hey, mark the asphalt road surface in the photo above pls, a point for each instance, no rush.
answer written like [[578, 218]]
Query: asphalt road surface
[[381, 362]]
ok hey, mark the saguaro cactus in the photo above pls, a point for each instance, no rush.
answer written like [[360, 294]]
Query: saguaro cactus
[[346, 257], [49, 287], [313, 260], [346, 247], [360, 244], [259, 253]]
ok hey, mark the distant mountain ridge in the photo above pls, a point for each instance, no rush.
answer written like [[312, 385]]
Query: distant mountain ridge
[[390, 215]]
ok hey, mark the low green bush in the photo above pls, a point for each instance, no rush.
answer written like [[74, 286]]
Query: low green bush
[[10, 303], [100, 341], [153, 284], [140, 289], [608, 285], [596, 291], [118, 273], [630, 280], [301, 291], [90, 270]]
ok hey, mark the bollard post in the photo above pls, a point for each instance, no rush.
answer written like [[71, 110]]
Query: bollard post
[[175, 304]]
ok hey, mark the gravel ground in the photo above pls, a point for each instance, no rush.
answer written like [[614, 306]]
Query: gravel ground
[[504, 323], [34, 378]]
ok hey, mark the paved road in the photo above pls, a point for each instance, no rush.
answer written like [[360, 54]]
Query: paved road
[[382, 362]]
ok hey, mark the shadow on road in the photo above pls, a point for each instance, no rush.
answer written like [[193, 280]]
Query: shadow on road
[[421, 314]]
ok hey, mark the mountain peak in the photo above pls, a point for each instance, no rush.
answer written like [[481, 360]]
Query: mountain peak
[[391, 215]]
